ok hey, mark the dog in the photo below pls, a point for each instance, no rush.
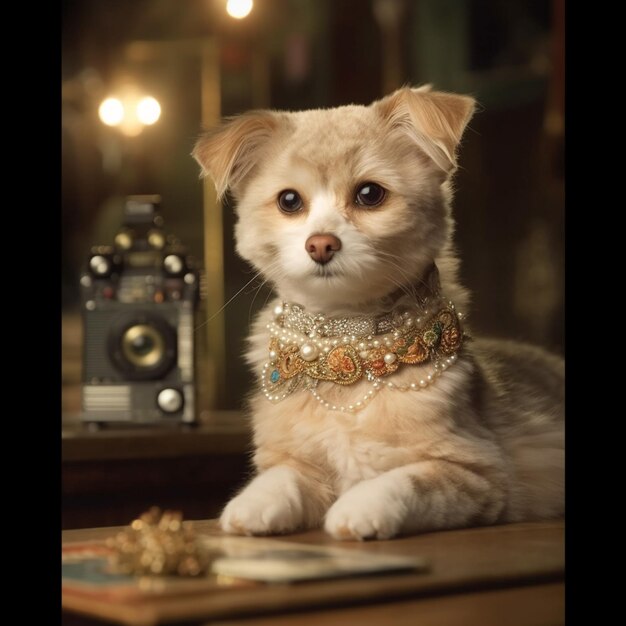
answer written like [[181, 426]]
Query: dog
[[377, 412]]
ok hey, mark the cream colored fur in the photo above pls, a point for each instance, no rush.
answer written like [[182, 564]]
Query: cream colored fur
[[484, 444]]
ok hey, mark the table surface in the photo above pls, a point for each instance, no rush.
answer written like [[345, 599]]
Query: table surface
[[509, 574]]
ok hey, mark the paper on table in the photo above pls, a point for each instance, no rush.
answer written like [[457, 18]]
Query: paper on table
[[282, 561]]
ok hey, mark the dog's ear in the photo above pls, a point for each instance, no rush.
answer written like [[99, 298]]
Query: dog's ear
[[228, 153], [435, 120]]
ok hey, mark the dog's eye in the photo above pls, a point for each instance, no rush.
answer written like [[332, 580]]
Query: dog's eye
[[370, 194], [289, 201]]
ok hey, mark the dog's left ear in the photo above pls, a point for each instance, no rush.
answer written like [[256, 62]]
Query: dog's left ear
[[230, 152], [435, 120]]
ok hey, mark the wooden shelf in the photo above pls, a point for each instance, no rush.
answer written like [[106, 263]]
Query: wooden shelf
[[224, 432]]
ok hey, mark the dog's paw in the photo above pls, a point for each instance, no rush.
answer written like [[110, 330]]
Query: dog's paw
[[369, 510], [271, 504]]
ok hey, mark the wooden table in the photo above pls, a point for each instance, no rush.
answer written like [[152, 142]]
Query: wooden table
[[510, 574]]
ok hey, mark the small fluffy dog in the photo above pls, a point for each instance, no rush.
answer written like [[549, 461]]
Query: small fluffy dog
[[376, 413]]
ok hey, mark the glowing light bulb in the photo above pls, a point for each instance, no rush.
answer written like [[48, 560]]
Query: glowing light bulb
[[238, 8], [111, 112], [148, 110]]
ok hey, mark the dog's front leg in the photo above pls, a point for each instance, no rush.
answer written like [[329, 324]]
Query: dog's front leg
[[429, 495], [279, 500]]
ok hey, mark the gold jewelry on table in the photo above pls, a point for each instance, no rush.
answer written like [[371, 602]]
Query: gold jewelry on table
[[158, 544]]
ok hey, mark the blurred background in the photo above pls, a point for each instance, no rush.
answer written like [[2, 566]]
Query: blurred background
[[179, 65]]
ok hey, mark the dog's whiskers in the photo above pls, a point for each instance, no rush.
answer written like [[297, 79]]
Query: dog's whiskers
[[228, 302]]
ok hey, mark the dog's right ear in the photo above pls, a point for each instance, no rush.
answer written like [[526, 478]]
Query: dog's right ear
[[434, 120], [229, 152]]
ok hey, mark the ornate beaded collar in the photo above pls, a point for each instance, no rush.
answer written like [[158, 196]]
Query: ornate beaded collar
[[305, 349]]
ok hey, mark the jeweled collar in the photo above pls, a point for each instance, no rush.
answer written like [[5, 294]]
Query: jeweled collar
[[306, 348]]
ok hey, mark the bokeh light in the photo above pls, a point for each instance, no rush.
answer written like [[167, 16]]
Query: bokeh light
[[148, 110], [238, 8], [111, 112]]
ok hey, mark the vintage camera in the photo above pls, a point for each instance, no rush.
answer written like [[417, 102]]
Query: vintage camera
[[139, 300]]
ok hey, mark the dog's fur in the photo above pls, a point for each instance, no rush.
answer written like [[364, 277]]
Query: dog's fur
[[482, 445]]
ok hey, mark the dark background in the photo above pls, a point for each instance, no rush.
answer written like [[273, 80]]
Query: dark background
[[294, 54]]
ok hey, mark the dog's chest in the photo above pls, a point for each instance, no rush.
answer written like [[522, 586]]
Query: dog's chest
[[355, 458], [346, 447], [342, 446]]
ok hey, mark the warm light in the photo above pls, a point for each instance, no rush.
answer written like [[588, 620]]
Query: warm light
[[148, 110], [238, 8], [111, 112]]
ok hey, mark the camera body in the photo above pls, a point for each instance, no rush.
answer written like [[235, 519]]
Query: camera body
[[139, 301]]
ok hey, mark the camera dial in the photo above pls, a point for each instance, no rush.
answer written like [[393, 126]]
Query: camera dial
[[100, 265], [173, 264], [170, 400]]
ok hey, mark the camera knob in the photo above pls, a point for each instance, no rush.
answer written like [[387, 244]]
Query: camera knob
[[100, 265], [170, 400], [124, 239], [173, 264]]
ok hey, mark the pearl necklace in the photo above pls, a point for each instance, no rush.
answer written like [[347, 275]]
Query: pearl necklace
[[305, 349]]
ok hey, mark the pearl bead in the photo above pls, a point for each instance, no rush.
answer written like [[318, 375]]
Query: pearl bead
[[423, 383], [364, 354], [278, 310], [390, 358], [309, 352], [413, 386], [408, 323], [376, 343], [273, 355]]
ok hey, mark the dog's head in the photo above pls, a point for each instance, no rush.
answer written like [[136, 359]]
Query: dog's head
[[341, 206]]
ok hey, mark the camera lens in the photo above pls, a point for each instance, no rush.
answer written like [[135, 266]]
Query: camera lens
[[143, 345]]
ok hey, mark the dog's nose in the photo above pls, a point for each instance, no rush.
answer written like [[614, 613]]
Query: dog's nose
[[322, 247]]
